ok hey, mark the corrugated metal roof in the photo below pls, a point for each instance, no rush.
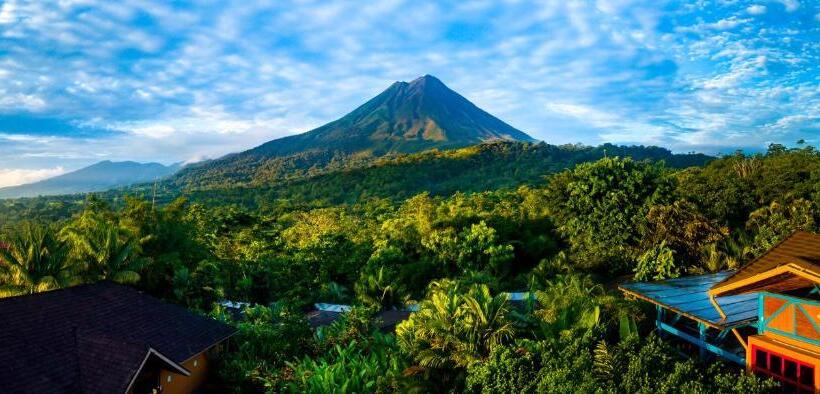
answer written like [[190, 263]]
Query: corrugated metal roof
[[801, 248], [689, 296]]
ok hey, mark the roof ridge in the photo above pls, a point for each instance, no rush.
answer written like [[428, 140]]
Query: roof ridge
[[63, 289], [800, 247], [766, 253]]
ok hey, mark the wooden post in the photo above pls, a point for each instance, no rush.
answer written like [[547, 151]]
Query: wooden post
[[659, 319]]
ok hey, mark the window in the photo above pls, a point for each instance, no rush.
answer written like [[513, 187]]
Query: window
[[790, 370], [794, 375], [807, 375], [761, 361], [775, 363]]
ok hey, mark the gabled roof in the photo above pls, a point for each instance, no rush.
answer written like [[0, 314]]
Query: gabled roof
[[791, 264], [94, 338], [96, 361]]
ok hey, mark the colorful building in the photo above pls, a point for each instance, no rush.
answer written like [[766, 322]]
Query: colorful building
[[764, 316]]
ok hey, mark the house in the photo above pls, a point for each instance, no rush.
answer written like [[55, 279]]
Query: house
[[103, 338], [764, 316]]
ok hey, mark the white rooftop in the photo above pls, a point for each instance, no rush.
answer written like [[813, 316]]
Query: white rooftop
[[332, 307]]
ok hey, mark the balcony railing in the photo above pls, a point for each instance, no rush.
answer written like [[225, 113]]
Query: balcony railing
[[792, 317]]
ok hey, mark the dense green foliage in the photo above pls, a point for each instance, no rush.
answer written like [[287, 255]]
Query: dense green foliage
[[578, 365], [482, 167], [348, 179], [564, 237]]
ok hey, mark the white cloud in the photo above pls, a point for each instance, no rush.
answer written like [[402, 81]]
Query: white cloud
[[207, 80], [799, 121], [612, 127], [791, 5], [17, 101], [583, 113], [741, 70], [7, 12], [722, 24], [14, 177]]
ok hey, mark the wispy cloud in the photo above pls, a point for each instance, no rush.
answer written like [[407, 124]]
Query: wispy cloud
[[14, 177], [171, 81]]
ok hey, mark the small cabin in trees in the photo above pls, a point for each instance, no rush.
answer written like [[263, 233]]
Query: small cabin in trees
[[103, 338], [764, 316]]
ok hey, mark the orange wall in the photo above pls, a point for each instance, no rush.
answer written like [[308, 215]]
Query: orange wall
[[180, 384], [798, 321]]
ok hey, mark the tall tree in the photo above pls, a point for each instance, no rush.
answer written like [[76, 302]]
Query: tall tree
[[600, 207], [108, 251], [455, 329], [32, 259]]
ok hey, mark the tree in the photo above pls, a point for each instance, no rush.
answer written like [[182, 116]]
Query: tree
[[569, 303], [108, 251], [773, 223], [599, 208], [480, 250], [378, 290], [657, 263], [683, 229], [32, 259], [455, 329]]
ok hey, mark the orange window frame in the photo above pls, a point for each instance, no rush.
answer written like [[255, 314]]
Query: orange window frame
[[801, 368]]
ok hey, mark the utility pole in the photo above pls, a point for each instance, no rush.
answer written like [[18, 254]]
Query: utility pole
[[154, 197]]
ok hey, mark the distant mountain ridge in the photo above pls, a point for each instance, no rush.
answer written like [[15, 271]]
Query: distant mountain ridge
[[96, 177], [407, 117]]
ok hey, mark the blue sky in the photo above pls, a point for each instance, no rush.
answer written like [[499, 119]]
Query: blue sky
[[88, 80]]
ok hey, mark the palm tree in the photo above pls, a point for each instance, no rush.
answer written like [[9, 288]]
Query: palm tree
[[376, 290], [485, 323], [33, 260], [109, 252], [453, 329], [569, 303]]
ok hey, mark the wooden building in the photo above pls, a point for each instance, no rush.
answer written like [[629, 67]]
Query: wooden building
[[765, 316], [103, 338]]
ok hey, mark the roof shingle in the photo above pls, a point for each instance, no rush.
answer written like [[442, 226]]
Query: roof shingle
[[92, 338], [801, 248]]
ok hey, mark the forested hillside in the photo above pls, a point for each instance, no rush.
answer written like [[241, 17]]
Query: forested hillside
[[489, 166], [560, 222]]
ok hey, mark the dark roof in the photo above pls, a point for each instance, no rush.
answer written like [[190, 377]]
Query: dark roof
[[322, 318], [388, 320], [801, 249], [689, 296], [94, 338]]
